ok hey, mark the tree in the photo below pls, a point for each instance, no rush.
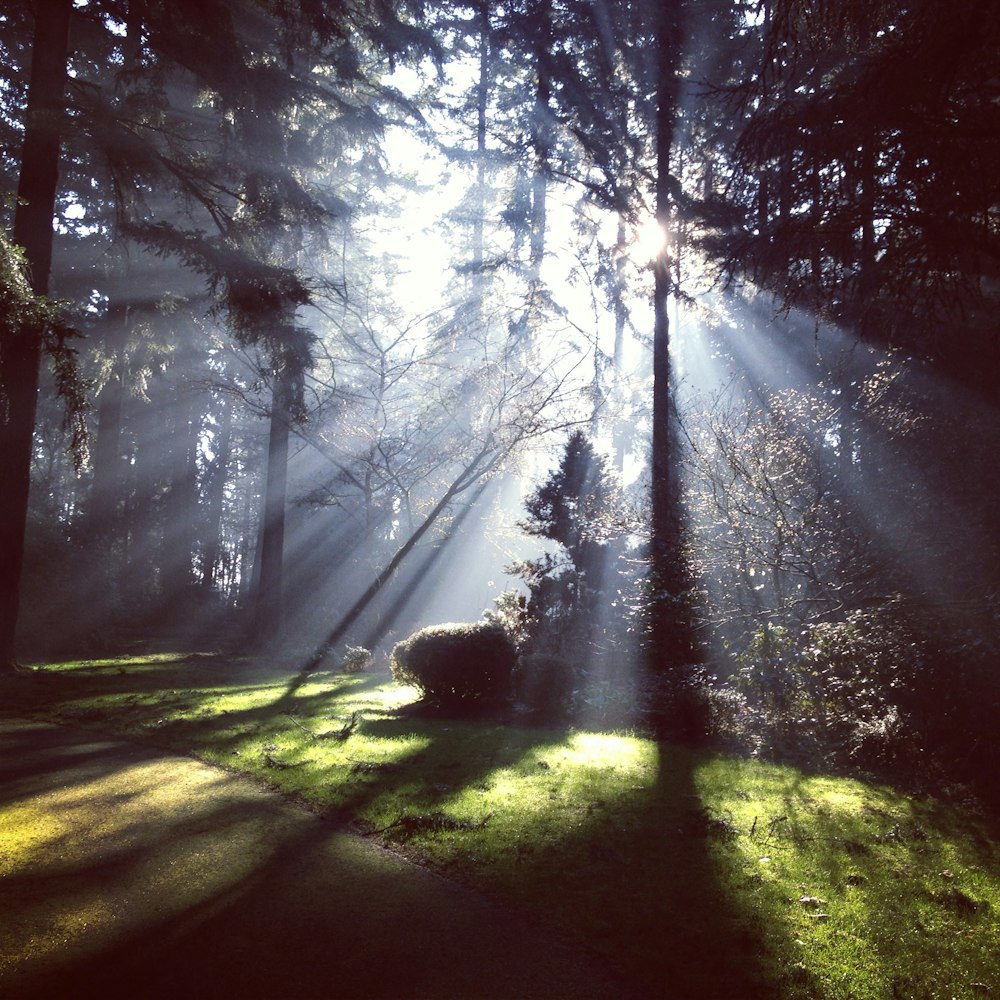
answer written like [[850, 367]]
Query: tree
[[875, 215], [22, 331]]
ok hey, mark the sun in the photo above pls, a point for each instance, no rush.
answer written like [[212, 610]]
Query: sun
[[648, 241]]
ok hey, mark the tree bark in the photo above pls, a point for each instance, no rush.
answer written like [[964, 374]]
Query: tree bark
[[21, 352], [670, 645], [215, 499], [181, 506], [479, 209], [663, 477]]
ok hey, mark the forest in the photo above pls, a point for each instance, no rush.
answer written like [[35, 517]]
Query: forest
[[663, 334]]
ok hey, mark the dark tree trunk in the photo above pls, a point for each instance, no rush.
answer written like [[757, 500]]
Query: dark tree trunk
[[621, 428], [541, 139], [479, 210], [21, 353], [670, 646], [664, 526], [181, 502]]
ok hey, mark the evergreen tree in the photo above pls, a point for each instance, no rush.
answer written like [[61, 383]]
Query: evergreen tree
[[580, 506]]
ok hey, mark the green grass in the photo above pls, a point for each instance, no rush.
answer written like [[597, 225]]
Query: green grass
[[722, 877]]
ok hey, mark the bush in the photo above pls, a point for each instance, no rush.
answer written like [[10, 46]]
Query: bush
[[356, 660], [457, 664], [544, 684]]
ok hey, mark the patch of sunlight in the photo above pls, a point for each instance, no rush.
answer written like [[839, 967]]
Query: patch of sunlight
[[360, 694], [147, 661], [864, 891], [628, 754], [387, 749], [25, 831], [31, 942]]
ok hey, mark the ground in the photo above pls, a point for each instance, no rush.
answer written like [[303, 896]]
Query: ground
[[139, 873]]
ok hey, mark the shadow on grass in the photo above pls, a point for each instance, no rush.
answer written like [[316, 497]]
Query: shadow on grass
[[194, 884], [648, 874]]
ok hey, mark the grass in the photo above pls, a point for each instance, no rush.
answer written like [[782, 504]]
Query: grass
[[714, 875]]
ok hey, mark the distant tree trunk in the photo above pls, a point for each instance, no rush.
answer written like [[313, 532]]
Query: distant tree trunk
[[106, 488], [215, 491], [249, 549], [541, 138], [272, 529], [181, 507], [479, 209], [21, 352], [621, 430], [105, 521], [144, 486]]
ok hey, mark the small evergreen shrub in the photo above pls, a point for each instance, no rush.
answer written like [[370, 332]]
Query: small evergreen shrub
[[544, 684], [356, 660], [457, 664]]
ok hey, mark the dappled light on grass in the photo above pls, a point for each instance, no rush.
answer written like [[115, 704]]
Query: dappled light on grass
[[721, 876], [878, 894], [166, 860]]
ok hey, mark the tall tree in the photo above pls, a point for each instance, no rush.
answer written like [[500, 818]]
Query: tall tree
[[20, 354]]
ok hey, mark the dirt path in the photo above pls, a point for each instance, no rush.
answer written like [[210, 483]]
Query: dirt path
[[125, 872]]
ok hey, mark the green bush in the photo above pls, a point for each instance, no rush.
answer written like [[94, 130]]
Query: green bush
[[544, 684], [356, 660], [457, 664]]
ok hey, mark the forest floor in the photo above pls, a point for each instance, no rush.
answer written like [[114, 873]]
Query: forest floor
[[683, 873], [146, 874]]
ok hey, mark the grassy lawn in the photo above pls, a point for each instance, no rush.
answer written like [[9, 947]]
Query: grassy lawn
[[719, 877]]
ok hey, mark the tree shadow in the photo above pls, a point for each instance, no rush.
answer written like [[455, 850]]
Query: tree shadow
[[211, 887], [653, 867]]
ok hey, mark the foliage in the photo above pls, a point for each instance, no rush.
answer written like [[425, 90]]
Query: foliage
[[886, 690], [825, 693], [24, 314], [841, 220], [581, 506], [457, 665], [511, 613], [356, 660]]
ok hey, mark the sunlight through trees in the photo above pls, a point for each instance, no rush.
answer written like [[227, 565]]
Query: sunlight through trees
[[333, 284]]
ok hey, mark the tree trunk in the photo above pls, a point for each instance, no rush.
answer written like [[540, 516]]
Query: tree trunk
[[181, 501], [541, 139], [272, 538], [479, 209], [621, 430], [21, 353], [106, 488], [670, 636], [663, 484], [215, 497]]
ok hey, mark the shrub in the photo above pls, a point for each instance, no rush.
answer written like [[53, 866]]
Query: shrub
[[512, 614], [544, 684], [456, 664], [356, 660]]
